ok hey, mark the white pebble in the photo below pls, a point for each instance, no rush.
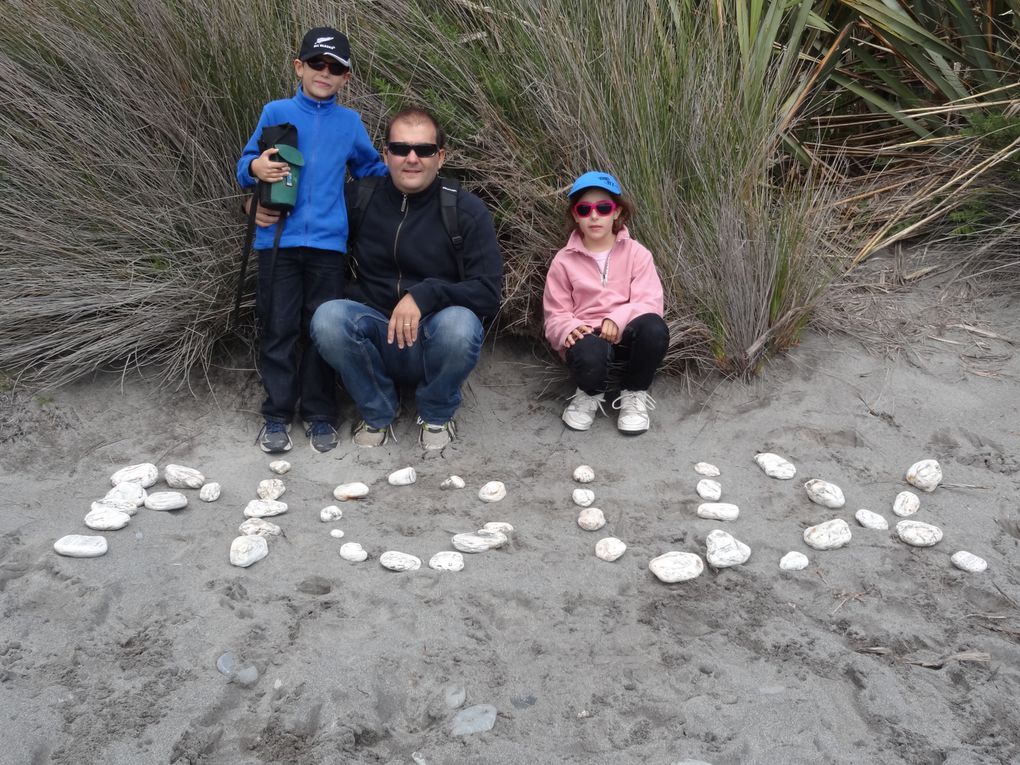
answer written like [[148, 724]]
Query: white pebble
[[270, 488], [591, 519], [493, 491], [609, 549], [824, 493], [248, 549], [330, 514], [793, 561], [709, 489], [718, 511], [906, 503], [403, 477], [676, 566], [209, 492], [127, 493], [166, 500], [453, 482], [279, 466], [725, 550], [264, 508], [926, 475], [584, 474], [969, 562], [707, 469], [124, 507], [501, 526], [479, 541], [829, 535], [80, 546], [870, 520], [353, 552], [346, 491], [447, 560], [336, 533], [583, 497], [398, 561], [145, 474], [181, 477], [918, 534], [775, 466], [106, 518], [259, 527]]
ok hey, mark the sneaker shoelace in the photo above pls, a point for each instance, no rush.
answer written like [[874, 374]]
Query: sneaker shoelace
[[636, 399], [582, 400], [320, 428]]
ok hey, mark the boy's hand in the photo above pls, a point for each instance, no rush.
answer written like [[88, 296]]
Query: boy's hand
[[266, 169], [263, 217]]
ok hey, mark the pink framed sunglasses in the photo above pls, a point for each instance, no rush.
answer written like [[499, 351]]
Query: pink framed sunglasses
[[603, 207]]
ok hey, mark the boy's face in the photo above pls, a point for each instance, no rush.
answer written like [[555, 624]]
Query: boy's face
[[321, 84]]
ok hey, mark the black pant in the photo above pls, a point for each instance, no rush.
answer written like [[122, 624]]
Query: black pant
[[290, 289], [641, 349]]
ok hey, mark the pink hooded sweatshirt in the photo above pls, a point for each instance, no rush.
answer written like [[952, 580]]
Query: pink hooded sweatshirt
[[576, 292]]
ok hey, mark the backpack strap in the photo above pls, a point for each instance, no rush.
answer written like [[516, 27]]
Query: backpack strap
[[448, 190]]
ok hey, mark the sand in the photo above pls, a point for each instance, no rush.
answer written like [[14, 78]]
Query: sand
[[876, 653]]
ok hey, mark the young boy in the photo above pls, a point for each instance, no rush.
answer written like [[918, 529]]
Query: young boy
[[309, 265]]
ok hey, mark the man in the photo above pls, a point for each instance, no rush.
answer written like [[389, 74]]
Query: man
[[416, 301]]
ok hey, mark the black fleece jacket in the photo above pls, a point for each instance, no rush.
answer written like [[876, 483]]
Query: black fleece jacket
[[402, 246]]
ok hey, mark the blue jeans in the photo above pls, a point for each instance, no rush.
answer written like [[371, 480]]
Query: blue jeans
[[289, 290], [351, 337]]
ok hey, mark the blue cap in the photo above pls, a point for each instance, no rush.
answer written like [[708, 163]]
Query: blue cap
[[595, 179]]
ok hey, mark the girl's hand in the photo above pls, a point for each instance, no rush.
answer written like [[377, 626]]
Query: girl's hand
[[266, 169], [610, 332], [576, 334]]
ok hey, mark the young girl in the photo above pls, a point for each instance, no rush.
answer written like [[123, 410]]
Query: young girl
[[603, 306]]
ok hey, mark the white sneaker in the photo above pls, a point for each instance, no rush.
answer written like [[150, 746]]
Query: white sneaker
[[633, 406], [580, 412]]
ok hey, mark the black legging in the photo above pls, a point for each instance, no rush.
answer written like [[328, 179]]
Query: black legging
[[640, 351]]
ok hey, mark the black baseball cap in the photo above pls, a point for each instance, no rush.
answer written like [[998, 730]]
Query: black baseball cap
[[326, 41]]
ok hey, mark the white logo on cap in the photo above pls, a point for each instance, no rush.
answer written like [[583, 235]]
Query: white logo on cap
[[321, 42]]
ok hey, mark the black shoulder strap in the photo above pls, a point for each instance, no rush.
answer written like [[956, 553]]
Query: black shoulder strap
[[366, 188], [448, 190]]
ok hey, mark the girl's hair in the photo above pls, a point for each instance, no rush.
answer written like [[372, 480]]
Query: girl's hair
[[622, 201]]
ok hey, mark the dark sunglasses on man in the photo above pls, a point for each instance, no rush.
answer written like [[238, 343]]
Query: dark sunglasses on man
[[335, 67], [401, 149]]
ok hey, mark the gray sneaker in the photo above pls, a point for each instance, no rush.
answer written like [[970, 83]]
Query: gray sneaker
[[434, 437], [322, 436], [367, 436], [274, 437]]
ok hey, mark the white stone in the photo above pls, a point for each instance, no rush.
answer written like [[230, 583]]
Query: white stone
[[181, 477], [591, 519], [447, 560], [775, 466], [824, 493], [718, 511], [346, 491], [501, 526], [479, 541], [706, 469], [279, 466], [166, 500], [969, 562], [493, 491], [126, 493], [725, 550], [259, 527], [353, 552], [709, 489], [584, 474], [270, 488], [906, 503], [106, 518], [209, 492], [453, 482], [104, 505], [398, 561], [330, 514], [248, 549], [609, 549], [583, 497], [676, 566], [336, 533], [80, 546], [829, 535], [918, 534], [264, 508], [870, 520], [793, 561], [145, 474], [926, 475], [403, 477]]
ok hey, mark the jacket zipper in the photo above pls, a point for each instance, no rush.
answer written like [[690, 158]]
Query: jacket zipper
[[605, 268], [396, 240]]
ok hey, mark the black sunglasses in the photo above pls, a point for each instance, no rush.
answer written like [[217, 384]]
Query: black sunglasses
[[335, 67], [401, 149]]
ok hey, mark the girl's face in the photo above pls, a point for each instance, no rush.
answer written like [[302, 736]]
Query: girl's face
[[596, 227]]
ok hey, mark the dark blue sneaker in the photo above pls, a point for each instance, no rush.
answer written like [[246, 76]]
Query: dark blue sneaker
[[322, 436], [274, 437]]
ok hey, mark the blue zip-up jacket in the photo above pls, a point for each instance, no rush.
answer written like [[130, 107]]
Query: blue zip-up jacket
[[332, 139]]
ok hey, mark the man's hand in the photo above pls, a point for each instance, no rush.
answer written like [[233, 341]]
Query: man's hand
[[263, 217], [404, 322], [576, 334], [610, 332]]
